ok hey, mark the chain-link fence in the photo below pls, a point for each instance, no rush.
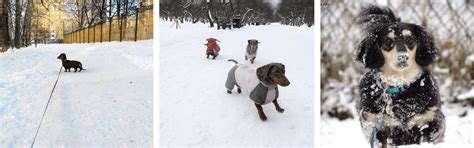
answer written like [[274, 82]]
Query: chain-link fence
[[450, 21]]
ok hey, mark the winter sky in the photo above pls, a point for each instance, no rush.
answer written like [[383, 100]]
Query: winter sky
[[274, 2]]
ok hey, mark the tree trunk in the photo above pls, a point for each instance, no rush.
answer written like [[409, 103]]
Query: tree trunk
[[110, 20], [17, 37], [119, 18], [4, 26], [27, 24], [125, 19], [209, 9], [102, 8]]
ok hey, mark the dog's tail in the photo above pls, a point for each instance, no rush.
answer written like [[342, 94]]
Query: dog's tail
[[80, 64], [373, 17], [232, 60]]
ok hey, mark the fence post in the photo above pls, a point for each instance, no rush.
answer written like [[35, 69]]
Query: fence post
[[120, 26], [83, 36], [101, 24], [93, 34], [110, 29], [136, 22], [88, 34]]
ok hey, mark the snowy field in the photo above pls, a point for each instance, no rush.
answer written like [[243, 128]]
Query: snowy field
[[107, 105], [459, 132], [195, 109]]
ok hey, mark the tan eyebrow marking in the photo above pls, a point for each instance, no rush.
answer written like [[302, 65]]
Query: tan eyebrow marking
[[391, 35], [406, 32]]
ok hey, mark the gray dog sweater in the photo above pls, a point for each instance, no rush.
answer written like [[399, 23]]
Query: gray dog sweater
[[245, 78]]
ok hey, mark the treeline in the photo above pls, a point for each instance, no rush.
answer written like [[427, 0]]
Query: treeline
[[27, 21], [250, 12]]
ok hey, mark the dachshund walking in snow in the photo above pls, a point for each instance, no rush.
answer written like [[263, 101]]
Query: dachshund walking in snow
[[68, 64], [212, 48]]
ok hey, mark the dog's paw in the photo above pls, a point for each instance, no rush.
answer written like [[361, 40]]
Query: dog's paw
[[229, 92], [263, 117], [239, 90], [280, 110]]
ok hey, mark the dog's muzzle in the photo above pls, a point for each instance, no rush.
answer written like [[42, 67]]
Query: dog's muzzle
[[402, 60]]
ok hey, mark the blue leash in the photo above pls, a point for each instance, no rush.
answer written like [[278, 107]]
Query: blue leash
[[378, 121], [377, 125]]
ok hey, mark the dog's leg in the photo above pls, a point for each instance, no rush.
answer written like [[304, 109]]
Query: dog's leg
[[239, 90], [277, 106], [431, 133], [260, 112], [246, 58], [75, 69], [229, 91]]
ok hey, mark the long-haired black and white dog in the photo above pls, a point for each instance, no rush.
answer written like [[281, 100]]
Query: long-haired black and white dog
[[399, 99]]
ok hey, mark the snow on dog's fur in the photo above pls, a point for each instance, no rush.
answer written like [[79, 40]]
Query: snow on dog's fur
[[397, 83]]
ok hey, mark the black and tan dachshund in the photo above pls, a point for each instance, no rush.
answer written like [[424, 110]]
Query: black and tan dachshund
[[399, 99], [68, 64]]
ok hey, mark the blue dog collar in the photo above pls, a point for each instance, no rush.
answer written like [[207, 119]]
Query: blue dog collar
[[395, 90]]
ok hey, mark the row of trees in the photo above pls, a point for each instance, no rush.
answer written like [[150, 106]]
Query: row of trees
[[28, 20], [250, 12], [17, 21]]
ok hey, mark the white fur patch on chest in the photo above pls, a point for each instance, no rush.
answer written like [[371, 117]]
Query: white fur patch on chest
[[271, 95]]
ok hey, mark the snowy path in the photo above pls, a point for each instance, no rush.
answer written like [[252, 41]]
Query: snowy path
[[108, 104], [195, 108]]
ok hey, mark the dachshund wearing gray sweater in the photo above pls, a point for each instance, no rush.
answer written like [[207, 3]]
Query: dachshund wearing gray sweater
[[68, 64], [260, 85]]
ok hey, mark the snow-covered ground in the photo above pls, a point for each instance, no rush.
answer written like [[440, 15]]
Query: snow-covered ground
[[107, 105], [348, 133], [195, 109]]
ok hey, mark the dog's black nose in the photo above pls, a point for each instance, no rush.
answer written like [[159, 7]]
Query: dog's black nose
[[402, 57]]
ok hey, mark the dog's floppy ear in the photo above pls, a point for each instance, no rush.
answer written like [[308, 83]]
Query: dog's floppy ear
[[249, 41], [369, 54], [262, 72], [426, 50]]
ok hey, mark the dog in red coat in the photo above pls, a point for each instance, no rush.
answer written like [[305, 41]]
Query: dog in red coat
[[212, 48]]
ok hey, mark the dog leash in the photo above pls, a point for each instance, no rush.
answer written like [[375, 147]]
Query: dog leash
[[379, 117], [49, 100]]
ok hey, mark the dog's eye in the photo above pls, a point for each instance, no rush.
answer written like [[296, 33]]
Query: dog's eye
[[410, 42], [388, 44], [279, 71]]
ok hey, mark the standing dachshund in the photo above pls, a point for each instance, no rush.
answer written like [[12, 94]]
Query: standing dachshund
[[251, 52], [212, 48], [67, 64], [260, 85]]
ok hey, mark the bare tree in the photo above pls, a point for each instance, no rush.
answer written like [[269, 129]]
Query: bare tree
[[17, 37]]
